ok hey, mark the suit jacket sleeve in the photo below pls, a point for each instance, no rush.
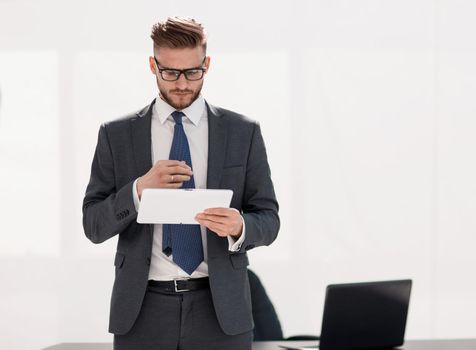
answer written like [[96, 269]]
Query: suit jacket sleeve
[[107, 210], [260, 207]]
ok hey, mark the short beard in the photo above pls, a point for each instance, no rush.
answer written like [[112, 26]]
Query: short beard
[[165, 96]]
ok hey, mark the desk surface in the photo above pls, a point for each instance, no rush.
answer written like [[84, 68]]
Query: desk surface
[[454, 344]]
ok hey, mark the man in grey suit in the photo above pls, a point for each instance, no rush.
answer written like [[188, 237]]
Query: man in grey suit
[[181, 286]]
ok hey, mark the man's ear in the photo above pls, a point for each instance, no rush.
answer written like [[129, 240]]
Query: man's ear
[[152, 66], [207, 63]]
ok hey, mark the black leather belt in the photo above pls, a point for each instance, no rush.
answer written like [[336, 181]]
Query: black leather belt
[[180, 285]]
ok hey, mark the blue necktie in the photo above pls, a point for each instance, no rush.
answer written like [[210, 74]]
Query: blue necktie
[[184, 242]]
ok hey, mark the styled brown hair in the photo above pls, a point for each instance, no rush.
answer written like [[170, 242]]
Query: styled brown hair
[[179, 33]]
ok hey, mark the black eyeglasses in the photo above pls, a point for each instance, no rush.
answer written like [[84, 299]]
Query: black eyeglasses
[[174, 74]]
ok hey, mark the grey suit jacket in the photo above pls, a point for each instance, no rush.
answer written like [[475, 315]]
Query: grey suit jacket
[[236, 160]]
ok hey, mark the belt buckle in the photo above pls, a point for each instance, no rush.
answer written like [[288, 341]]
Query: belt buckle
[[177, 290]]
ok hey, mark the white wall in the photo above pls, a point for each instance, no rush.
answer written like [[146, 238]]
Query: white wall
[[367, 108]]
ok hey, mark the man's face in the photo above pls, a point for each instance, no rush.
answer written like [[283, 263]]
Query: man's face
[[180, 93]]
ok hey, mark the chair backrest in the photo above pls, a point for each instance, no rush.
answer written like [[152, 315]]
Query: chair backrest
[[267, 325]]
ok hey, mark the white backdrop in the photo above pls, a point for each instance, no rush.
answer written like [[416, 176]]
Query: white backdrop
[[367, 109]]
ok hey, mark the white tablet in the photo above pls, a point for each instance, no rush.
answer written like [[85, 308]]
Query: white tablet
[[179, 206]]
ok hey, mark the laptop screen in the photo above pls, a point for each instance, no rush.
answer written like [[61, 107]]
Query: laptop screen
[[365, 315]]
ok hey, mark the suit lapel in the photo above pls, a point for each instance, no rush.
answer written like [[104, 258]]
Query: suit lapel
[[217, 135], [141, 139]]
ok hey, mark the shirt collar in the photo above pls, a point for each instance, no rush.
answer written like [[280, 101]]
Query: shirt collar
[[193, 112]]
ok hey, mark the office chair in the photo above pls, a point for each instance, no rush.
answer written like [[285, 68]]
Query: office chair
[[267, 325]]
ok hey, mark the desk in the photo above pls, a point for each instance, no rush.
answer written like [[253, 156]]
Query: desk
[[456, 344]]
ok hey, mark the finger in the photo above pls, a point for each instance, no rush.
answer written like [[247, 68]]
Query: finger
[[165, 165], [174, 162], [179, 170], [216, 227], [171, 163], [219, 211], [208, 221], [214, 218], [178, 163], [211, 218], [166, 178], [171, 185], [169, 178], [179, 178]]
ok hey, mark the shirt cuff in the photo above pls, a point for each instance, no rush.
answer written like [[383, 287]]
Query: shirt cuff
[[235, 245], [135, 195]]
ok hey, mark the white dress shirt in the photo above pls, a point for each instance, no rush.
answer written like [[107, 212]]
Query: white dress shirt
[[162, 267]]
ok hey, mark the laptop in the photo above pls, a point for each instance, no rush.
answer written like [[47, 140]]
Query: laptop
[[369, 315]]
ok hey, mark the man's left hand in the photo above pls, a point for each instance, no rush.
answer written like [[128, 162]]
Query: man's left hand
[[223, 221]]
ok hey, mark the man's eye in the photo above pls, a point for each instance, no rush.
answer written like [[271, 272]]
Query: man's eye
[[170, 73]]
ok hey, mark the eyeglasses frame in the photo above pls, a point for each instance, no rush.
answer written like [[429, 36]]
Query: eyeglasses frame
[[181, 71]]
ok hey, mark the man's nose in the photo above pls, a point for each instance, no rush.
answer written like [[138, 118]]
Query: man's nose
[[182, 82]]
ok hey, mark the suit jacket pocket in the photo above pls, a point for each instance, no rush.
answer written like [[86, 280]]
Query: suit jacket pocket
[[239, 260], [119, 260]]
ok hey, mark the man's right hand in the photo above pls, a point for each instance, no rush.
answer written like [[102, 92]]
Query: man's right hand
[[165, 174]]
